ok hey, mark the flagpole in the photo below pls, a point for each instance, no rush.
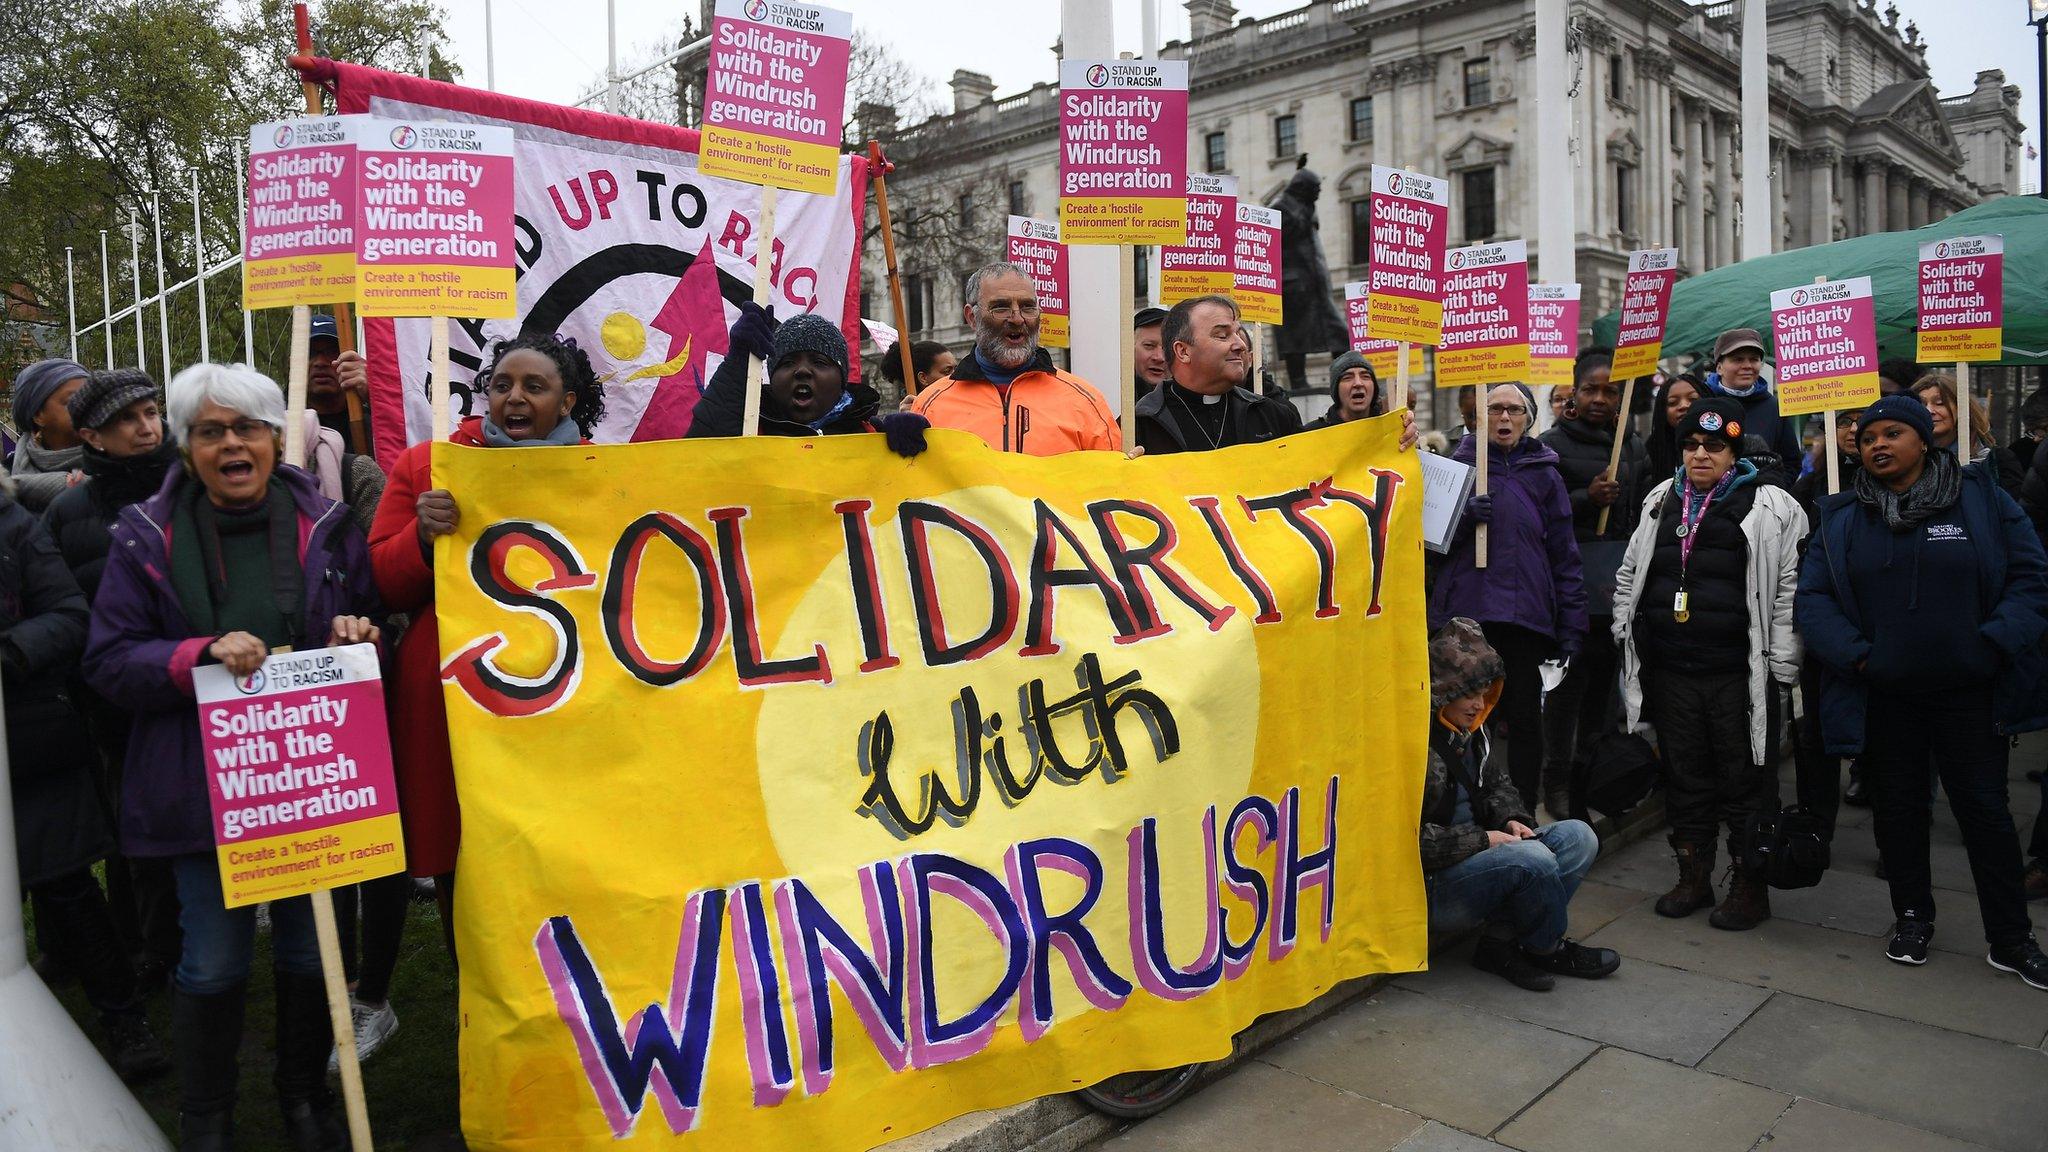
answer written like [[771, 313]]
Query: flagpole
[[135, 275], [71, 300], [163, 300], [199, 261], [106, 298]]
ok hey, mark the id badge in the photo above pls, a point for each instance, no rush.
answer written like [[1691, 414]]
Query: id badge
[[1678, 607]]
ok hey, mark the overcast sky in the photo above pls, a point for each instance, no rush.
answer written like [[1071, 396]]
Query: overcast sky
[[552, 51]]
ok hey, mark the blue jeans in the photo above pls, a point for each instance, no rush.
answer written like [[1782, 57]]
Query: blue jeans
[[219, 941], [1520, 888]]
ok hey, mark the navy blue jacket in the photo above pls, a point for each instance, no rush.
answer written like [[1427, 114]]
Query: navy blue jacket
[[2012, 574]]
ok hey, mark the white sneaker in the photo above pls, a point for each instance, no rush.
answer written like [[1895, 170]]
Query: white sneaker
[[373, 1027]]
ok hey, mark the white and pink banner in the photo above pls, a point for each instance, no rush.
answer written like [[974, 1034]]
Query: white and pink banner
[[610, 216]]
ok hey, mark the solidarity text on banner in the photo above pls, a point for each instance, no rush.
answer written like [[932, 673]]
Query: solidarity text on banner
[[610, 215], [812, 797]]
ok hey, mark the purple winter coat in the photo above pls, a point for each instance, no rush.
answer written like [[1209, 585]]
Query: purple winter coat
[[1531, 576], [141, 651]]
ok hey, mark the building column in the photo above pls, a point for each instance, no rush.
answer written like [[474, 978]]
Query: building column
[[1820, 196], [1724, 185], [1897, 206], [1917, 203], [1873, 197], [1695, 256]]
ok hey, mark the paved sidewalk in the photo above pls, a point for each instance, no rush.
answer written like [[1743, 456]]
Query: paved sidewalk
[[1797, 1037]]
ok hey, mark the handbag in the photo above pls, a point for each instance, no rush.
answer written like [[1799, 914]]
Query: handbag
[[1788, 847], [1619, 774]]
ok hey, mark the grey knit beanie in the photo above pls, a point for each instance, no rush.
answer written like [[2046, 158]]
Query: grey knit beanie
[[809, 332], [35, 384]]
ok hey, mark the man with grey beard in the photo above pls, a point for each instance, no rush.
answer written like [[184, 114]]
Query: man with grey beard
[[1007, 391]]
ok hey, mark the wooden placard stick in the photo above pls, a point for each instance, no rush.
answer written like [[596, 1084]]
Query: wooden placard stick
[[1962, 413], [1482, 449], [1127, 394], [877, 169], [1400, 375], [295, 386], [1628, 396], [353, 1101], [1252, 360], [1834, 454], [344, 327], [439, 387], [764, 284]]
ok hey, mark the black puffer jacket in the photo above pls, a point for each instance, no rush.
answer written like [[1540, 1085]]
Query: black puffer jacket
[[80, 520], [1582, 454], [1714, 636], [1250, 419], [721, 411], [59, 825], [2033, 494]]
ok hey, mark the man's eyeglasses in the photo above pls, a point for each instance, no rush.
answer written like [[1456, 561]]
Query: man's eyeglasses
[[212, 432]]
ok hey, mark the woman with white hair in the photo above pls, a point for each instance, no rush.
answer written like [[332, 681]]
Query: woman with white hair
[[235, 557]]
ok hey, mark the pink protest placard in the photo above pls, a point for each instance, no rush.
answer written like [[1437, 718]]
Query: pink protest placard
[[775, 97], [1123, 151], [1410, 225], [1962, 299], [1383, 355], [299, 240], [434, 234], [1825, 336], [1645, 306], [1201, 267], [1255, 264], [1486, 315], [298, 772], [1035, 247], [1553, 333]]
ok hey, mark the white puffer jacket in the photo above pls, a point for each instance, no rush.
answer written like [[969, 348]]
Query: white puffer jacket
[[1773, 528]]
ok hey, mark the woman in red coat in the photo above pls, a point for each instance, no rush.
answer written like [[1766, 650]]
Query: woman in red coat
[[541, 391]]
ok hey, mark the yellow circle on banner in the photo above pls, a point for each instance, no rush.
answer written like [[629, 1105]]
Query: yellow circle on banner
[[809, 742], [624, 336]]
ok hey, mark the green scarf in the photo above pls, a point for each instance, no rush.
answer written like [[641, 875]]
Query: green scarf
[[218, 588]]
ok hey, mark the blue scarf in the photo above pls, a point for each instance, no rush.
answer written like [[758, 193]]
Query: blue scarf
[[997, 375], [845, 402], [566, 432]]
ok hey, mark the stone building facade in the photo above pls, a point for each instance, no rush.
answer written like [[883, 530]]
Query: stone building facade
[[1860, 141]]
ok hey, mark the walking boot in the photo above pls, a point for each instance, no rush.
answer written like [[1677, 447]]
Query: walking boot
[[1748, 902], [206, 1037], [1695, 887], [305, 1032]]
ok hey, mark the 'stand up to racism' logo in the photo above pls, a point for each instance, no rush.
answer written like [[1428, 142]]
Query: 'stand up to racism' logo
[[1941, 250], [283, 138], [1098, 76], [1394, 183], [1799, 297], [404, 136], [251, 684], [757, 10], [1457, 261]]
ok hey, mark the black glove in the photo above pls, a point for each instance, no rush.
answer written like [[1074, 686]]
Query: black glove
[[753, 334], [1480, 509], [904, 431]]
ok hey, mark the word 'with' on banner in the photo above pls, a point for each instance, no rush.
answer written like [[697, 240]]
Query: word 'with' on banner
[[812, 797]]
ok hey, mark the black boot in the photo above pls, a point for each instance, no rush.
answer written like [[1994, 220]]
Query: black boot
[[206, 1036], [305, 1034]]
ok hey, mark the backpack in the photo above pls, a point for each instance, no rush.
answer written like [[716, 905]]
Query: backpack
[[1619, 774]]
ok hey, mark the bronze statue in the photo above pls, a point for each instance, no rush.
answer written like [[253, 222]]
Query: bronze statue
[[1311, 322]]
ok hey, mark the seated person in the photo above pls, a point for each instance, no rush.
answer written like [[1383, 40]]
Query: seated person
[[1483, 858]]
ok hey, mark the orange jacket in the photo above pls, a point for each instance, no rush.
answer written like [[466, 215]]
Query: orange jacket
[[1043, 412]]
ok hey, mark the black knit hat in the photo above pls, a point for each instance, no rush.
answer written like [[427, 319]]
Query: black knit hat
[[1461, 662], [1716, 417], [809, 332], [106, 394], [1904, 407]]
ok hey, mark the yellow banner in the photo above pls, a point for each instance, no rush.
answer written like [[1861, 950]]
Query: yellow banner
[[812, 796], [320, 278], [1127, 220], [436, 290], [1820, 393], [761, 159], [1555, 371], [1403, 318], [254, 871], [1482, 364], [1960, 344], [1635, 360]]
